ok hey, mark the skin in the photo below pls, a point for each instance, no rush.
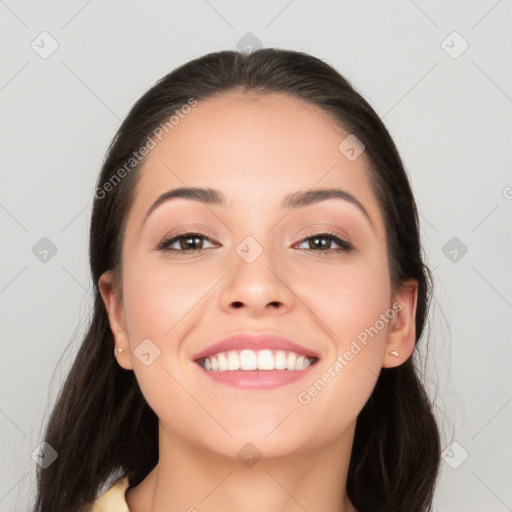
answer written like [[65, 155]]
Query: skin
[[254, 149]]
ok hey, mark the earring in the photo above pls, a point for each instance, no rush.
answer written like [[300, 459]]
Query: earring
[[117, 351], [394, 353]]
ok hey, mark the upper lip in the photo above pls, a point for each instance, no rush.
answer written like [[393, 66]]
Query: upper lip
[[254, 342]]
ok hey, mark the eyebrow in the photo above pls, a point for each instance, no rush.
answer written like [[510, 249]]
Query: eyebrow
[[297, 199]]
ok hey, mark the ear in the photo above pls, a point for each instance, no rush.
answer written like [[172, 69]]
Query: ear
[[402, 329], [110, 294]]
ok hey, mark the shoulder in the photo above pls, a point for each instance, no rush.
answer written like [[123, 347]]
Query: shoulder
[[113, 500]]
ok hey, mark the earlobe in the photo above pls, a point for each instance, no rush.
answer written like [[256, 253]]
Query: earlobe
[[402, 334], [115, 310]]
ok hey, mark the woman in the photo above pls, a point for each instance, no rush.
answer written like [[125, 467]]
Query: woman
[[258, 277]]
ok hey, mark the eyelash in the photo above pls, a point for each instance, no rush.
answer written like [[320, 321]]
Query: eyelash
[[345, 247]]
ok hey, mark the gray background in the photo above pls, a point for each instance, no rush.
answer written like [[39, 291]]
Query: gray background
[[449, 113]]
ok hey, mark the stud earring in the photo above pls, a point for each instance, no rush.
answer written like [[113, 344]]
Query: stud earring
[[117, 351], [394, 353]]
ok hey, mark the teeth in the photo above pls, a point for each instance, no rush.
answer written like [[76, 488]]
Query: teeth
[[248, 360], [233, 360], [265, 360], [290, 361], [256, 360], [223, 362], [280, 360]]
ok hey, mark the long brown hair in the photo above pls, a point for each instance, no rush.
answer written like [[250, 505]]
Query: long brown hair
[[101, 425]]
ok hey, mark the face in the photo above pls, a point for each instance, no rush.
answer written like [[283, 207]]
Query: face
[[254, 266]]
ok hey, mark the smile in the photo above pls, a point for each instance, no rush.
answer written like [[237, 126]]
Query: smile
[[265, 360]]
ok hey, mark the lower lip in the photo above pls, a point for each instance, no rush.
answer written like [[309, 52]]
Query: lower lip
[[257, 379]]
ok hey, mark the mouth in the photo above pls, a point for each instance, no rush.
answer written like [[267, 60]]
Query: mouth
[[261, 360]]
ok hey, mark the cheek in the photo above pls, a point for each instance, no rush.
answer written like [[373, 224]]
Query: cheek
[[351, 304], [349, 297], [158, 297], [156, 305], [161, 304]]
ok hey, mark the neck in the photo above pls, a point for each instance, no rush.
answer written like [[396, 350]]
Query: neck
[[193, 479]]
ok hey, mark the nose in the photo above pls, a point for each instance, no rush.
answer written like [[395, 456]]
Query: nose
[[258, 288]]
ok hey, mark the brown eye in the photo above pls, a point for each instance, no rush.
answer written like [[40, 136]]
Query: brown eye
[[185, 242], [322, 242]]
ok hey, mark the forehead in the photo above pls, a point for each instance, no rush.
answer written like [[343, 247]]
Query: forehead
[[256, 149]]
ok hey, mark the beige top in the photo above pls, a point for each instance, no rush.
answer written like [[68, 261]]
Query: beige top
[[113, 500]]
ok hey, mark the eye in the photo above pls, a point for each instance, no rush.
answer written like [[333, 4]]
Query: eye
[[194, 241], [186, 242], [321, 242]]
